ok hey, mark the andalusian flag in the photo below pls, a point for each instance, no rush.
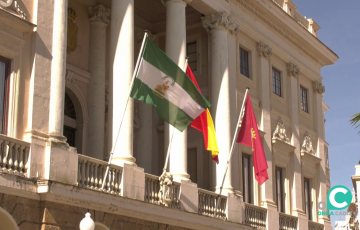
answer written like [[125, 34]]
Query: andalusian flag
[[204, 124], [160, 82]]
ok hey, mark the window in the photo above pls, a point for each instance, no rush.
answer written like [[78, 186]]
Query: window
[[279, 190], [247, 178], [276, 82], [244, 63], [192, 164], [307, 198], [304, 99], [191, 52], [69, 121], [4, 93]]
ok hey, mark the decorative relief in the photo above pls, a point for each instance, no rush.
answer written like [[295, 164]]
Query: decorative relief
[[15, 6], [165, 1], [318, 87], [264, 50], [166, 189], [99, 13], [223, 19], [137, 123], [307, 146], [293, 70], [280, 132], [69, 78], [71, 31]]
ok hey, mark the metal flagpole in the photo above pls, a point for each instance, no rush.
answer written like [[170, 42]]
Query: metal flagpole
[[127, 101], [232, 148], [172, 135]]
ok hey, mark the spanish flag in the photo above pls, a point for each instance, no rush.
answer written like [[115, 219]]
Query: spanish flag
[[205, 124]]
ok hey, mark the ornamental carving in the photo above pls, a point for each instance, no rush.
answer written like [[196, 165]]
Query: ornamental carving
[[318, 87], [69, 78], [307, 146], [99, 13], [137, 123], [14, 5], [71, 31], [292, 69], [280, 132], [165, 1], [223, 19], [166, 189], [264, 50], [6, 3]]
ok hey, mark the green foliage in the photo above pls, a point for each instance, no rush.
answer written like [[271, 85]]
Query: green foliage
[[355, 119]]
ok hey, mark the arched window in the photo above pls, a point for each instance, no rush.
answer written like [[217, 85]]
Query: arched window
[[69, 121], [7, 221]]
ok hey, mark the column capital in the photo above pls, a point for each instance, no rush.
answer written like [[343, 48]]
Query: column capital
[[292, 69], [99, 13], [264, 50], [223, 19], [318, 87], [166, 1]]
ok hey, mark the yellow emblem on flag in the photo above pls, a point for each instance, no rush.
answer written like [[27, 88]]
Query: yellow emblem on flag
[[160, 90], [253, 136]]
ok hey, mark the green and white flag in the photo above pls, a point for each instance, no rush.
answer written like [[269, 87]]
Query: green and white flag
[[160, 82]]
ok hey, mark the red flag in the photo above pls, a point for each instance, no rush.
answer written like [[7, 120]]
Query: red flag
[[249, 136]]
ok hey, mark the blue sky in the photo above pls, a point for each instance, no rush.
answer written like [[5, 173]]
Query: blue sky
[[340, 30]]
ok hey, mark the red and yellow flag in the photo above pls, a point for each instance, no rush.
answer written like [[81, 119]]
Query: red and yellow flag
[[249, 136], [205, 124]]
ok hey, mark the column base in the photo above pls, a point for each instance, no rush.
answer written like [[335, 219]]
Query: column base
[[123, 160], [58, 138], [178, 177], [269, 204]]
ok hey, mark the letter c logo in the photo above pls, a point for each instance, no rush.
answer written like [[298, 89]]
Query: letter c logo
[[343, 198], [332, 197]]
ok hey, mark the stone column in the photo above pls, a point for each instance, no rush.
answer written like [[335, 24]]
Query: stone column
[[121, 71], [58, 71], [319, 90], [175, 48], [99, 19], [220, 25], [297, 187], [144, 134], [267, 198]]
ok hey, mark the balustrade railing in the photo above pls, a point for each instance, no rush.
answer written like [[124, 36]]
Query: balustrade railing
[[91, 173], [315, 226], [14, 156], [287, 222], [207, 204], [255, 216], [152, 191]]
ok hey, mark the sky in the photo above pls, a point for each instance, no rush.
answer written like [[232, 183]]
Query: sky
[[340, 31]]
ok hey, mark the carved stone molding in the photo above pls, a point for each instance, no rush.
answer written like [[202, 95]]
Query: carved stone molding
[[318, 87], [99, 13], [140, 37], [307, 146], [264, 50], [14, 5], [137, 123], [69, 78], [166, 189], [6, 3], [214, 21], [71, 31], [280, 131], [165, 1], [292, 69]]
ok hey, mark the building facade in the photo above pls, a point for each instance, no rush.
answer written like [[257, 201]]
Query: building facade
[[65, 71]]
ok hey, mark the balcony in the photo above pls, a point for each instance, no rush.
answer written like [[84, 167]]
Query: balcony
[[315, 226], [255, 216], [287, 222], [208, 207]]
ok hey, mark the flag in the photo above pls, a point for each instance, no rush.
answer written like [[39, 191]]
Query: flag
[[204, 124], [249, 136], [161, 83]]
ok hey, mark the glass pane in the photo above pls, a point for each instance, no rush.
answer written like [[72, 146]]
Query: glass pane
[[192, 57], [192, 164], [193, 66], [246, 179], [69, 108], [2, 92], [191, 48], [69, 133]]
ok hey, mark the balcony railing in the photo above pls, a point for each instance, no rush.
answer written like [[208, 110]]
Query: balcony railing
[[287, 222], [315, 226], [91, 173], [207, 204], [152, 191], [255, 216], [14, 156]]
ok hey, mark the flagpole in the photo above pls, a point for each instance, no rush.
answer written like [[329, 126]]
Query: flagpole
[[127, 101], [172, 135], [232, 148]]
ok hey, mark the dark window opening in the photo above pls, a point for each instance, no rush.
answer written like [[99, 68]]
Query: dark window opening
[[276, 82], [304, 99], [191, 53], [244, 63], [5, 73], [247, 178], [280, 201]]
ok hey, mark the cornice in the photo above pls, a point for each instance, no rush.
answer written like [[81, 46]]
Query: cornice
[[222, 19], [300, 45]]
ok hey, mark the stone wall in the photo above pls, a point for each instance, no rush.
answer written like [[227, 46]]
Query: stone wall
[[32, 214]]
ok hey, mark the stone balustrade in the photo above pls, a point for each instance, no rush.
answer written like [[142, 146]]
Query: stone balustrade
[[287, 222], [91, 173], [207, 204], [255, 216], [14, 156], [315, 226]]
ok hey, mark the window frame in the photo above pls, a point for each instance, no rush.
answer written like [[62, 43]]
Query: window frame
[[195, 42], [247, 190], [274, 82], [5, 120], [307, 203], [281, 207], [241, 50], [304, 93]]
